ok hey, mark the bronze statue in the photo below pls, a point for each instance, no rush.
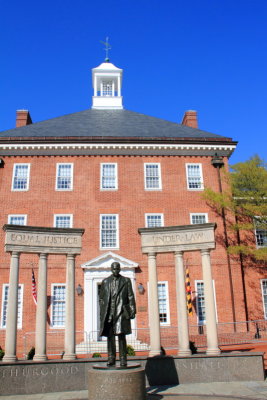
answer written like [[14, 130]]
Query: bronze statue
[[117, 308]]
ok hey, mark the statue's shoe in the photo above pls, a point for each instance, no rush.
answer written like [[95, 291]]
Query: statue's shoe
[[123, 362], [111, 362]]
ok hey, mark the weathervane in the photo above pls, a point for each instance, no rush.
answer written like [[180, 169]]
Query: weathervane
[[107, 48]]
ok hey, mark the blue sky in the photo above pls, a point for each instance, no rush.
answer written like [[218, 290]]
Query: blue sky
[[208, 55]]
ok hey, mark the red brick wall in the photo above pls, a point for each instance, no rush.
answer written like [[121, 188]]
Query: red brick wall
[[86, 202]]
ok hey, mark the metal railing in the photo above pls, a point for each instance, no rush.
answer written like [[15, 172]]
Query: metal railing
[[88, 343]]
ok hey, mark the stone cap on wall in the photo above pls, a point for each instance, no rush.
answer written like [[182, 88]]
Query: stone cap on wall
[[178, 238], [39, 239]]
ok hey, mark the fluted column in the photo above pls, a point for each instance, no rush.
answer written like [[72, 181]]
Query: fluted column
[[210, 310], [183, 332], [12, 310], [41, 312], [70, 309], [153, 303]]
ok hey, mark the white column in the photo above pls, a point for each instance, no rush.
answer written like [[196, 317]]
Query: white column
[[95, 86], [41, 311], [70, 309], [210, 310], [153, 304], [119, 86], [12, 310], [183, 332], [113, 88]]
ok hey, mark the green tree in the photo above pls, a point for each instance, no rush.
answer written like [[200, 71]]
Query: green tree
[[243, 205]]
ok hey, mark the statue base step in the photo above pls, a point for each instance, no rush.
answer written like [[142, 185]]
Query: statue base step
[[117, 383]]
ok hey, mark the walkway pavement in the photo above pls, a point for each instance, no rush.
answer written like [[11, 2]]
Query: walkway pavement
[[196, 391]]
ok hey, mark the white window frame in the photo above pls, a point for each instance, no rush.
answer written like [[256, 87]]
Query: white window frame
[[71, 178], [166, 283], [154, 214], [20, 310], [53, 305], [102, 176], [255, 232], [63, 215], [28, 177], [201, 214], [263, 302], [196, 301], [10, 216], [117, 232], [159, 176], [201, 177]]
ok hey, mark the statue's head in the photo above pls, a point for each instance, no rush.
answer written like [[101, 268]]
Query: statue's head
[[115, 268]]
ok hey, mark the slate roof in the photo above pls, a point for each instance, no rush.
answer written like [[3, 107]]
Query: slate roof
[[105, 124]]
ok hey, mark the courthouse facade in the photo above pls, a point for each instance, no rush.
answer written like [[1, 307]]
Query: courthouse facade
[[110, 172]]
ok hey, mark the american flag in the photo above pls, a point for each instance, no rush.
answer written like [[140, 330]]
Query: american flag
[[34, 293]]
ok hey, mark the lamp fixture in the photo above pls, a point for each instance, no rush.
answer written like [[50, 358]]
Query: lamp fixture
[[79, 290], [141, 288]]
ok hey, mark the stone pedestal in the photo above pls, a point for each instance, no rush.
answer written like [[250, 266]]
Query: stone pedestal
[[116, 383]]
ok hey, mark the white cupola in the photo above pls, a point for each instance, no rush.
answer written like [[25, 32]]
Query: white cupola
[[107, 80]]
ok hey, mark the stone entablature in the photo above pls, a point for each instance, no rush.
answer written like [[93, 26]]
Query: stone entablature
[[32, 239], [178, 238]]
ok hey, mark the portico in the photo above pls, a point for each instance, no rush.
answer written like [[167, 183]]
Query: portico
[[43, 241], [177, 240]]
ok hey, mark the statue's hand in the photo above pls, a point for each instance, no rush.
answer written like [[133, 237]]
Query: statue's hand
[[132, 316]]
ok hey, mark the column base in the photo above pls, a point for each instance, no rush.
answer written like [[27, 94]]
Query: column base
[[184, 353], [40, 357], [69, 357], [213, 352], [8, 358], [154, 353]]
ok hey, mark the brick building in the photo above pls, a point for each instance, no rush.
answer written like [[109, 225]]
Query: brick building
[[112, 171]]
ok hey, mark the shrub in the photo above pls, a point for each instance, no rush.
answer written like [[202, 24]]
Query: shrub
[[130, 350], [31, 354], [2, 353], [96, 355]]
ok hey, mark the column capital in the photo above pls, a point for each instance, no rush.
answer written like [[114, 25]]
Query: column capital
[[179, 253], [43, 256], [15, 254], [151, 255], [205, 252], [71, 256]]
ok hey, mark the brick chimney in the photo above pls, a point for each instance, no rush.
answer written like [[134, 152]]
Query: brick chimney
[[190, 119], [23, 118]]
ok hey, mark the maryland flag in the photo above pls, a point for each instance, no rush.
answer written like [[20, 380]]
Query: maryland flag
[[188, 293]]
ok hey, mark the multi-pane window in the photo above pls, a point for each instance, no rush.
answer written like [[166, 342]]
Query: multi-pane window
[[200, 218], [64, 176], [109, 179], [163, 302], [5, 302], [200, 301], [58, 305], [194, 176], [63, 220], [154, 220], [21, 173], [17, 219], [264, 296], [109, 238], [260, 231], [107, 88], [152, 176]]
